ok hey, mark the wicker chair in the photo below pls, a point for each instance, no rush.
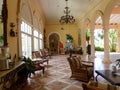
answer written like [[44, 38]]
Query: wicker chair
[[93, 85], [81, 70], [89, 87]]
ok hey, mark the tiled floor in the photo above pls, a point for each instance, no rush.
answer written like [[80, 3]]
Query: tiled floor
[[57, 76]]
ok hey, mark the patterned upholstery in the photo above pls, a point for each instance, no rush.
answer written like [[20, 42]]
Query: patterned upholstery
[[79, 70], [38, 56], [46, 52], [92, 85]]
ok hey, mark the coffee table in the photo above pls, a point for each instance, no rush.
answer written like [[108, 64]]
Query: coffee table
[[109, 76]]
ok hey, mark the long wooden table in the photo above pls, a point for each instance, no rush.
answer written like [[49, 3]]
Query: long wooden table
[[109, 76]]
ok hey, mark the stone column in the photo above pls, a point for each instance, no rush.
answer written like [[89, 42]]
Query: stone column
[[118, 42], [106, 44], [92, 42], [83, 40]]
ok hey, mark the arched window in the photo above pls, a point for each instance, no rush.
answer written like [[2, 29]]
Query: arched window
[[36, 38], [26, 39], [41, 41]]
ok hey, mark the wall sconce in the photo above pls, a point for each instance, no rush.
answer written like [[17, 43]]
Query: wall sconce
[[12, 32]]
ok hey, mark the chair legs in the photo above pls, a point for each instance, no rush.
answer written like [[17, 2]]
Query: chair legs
[[43, 70]]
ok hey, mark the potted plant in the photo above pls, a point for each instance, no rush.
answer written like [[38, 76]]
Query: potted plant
[[29, 66], [69, 37]]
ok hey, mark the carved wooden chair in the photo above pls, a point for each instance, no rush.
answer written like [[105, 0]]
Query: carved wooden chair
[[81, 70], [39, 57], [39, 66], [46, 53]]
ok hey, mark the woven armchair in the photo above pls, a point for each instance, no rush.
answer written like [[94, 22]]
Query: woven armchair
[[93, 85], [81, 70]]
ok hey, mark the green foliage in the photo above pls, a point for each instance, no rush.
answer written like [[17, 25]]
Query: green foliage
[[29, 65], [88, 34], [99, 48], [113, 48], [113, 40], [69, 37], [1, 39]]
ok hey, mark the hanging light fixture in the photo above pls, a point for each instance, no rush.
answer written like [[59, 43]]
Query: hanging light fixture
[[67, 19]]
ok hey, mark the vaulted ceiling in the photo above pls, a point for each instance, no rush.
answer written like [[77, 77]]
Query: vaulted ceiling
[[54, 9]]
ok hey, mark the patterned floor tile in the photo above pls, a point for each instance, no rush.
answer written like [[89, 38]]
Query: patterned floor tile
[[56, 77]]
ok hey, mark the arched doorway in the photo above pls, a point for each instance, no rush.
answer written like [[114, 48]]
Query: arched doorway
[[114, 28], [54, 43]]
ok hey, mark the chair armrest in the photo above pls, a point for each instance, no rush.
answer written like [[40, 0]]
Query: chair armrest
[[87, 63], [87, 66], [39, 66]]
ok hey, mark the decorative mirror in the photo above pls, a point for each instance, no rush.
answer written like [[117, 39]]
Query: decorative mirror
[[3, 23]]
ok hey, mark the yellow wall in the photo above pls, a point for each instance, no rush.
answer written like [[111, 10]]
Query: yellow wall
[[67, 29], [14, 16]]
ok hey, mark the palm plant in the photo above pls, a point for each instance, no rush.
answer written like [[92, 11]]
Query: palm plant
[[29, 66], [88, 34], [69, 37], [113, 39]]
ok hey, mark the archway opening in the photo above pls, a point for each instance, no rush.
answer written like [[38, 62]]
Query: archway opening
[[114, 26], [99, 34], [54, 43]]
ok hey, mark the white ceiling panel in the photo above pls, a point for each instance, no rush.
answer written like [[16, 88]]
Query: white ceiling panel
[[54, 9]]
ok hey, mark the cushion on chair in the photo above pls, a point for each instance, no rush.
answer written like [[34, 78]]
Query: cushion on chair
[[90, 87], [77, 62], [103, 86], [37, 54], [93, 88]]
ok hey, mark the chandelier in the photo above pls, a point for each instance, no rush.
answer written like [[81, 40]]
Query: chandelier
[[67, 19]]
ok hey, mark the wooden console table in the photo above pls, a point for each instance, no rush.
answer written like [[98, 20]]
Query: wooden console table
[[14, 78]]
